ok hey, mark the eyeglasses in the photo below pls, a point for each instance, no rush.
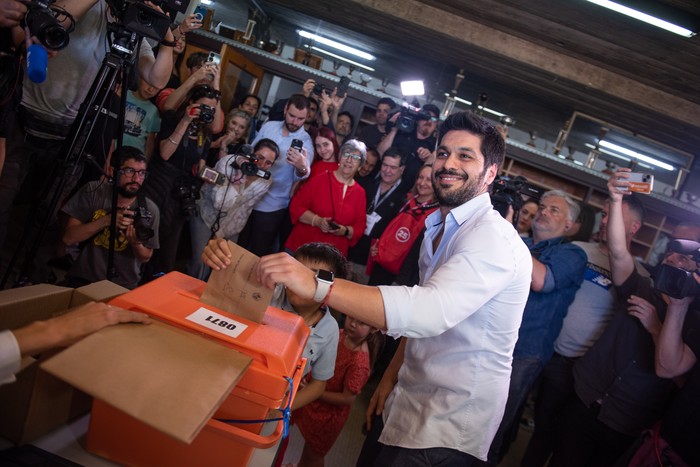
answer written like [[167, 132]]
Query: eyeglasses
[[129, 172], [434, 119], [349, 155]]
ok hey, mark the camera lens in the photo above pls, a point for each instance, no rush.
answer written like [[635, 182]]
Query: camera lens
[[45, 27]]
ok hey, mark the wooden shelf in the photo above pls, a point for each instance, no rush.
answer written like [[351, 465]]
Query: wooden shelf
[[586, 185]]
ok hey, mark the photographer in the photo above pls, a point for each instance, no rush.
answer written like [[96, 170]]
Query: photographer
[[184, 141], [201, 71], [48, 109], [619, 391], [224, 208], [89, 221], [417, 145]]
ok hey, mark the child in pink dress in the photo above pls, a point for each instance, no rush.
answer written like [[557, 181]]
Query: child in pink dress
[[321, 421]]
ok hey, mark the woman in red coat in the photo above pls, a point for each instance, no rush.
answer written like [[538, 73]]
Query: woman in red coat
[[330, 207]]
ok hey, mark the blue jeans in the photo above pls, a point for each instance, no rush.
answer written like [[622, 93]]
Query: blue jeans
[[523, 377], [200, 233], [394, 456]]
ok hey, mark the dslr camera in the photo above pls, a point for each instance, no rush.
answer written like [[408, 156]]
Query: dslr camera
[[409, 114], [508, 192], [44, 21], [206, 116], [676, 282], [247, 163], [143, 223]]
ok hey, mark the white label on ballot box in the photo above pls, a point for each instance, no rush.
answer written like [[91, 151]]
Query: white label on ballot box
[[217, 322]]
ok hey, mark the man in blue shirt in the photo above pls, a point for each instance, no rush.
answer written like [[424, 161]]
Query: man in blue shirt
[[260, 235], [557, 273]]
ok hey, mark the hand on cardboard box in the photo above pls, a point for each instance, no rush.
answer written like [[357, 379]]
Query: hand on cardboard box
[[70, 327]]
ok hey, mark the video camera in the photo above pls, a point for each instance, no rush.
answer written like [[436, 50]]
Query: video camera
[[409, 114], [677, 282], [44, 21], [139, 18], [508, 192], [249, 166]]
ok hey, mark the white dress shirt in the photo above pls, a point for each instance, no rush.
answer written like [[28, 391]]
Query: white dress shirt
[[462, 322], [9, 357]]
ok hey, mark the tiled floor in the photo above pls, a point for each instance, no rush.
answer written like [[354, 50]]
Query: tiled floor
[[347, 448]]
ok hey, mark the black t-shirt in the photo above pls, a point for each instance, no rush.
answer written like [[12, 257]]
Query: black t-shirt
[[189, 151]]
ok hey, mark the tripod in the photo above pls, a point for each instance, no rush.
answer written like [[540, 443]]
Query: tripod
[[118, 63]]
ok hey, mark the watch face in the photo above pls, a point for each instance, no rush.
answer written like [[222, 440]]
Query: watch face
[[324, 275]]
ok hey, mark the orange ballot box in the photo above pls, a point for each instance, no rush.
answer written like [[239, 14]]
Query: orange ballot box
[[270, 370]]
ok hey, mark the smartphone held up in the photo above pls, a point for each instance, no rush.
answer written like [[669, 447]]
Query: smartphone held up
[[639, 183]]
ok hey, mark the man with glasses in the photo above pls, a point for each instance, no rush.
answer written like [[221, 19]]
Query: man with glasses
[[385, 196], [417, 146], [89, 218]]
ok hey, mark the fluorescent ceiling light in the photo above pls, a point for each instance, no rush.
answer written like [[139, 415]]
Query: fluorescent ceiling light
[[647, 18], [324, 51], [636, 155], [412, 88], [610, 153], [335, 44], [485, 109], [206, 2]]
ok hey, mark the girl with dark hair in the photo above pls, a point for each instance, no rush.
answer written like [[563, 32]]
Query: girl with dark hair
[[174, 184]]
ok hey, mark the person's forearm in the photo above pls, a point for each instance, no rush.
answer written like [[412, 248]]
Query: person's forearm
[[81, 232], [670, 348], [621, 261], [218, 125], [169, 145], [142, 252], [310, 218], [392, 370], [157, 71], [539, 273], [386, 142], [338, 398], [362, 302], [178, 96], [308, 393]]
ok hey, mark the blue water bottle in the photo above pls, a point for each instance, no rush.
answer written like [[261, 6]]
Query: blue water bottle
[[37, 59]]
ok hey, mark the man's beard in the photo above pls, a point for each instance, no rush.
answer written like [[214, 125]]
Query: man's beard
[[122, 190], [291, 128], [456, 197]]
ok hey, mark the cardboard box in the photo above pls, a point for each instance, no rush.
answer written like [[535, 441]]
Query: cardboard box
[[38, 402], [139, 408]]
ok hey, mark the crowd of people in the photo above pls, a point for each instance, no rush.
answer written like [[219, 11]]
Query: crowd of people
[[460, 312]]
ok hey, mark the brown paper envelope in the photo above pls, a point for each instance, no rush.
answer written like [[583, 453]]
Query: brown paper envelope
[[169, 379], [236, 289]]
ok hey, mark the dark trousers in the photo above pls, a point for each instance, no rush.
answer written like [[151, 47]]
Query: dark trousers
[[555, 393], [522, 378], [377, 454], [33, 160], [587, 442], [261, 233]]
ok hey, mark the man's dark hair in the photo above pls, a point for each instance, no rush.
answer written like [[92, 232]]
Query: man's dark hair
[[245, 98], [129, 153], [196, 59], [349, 115], [432, 108], [394, 152], [388, 101], [324, 253], [634, 205], [312, 100], [269, 144], [299, 101], [493, 147]]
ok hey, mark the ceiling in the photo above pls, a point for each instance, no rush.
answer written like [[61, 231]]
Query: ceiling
[[537, 60]]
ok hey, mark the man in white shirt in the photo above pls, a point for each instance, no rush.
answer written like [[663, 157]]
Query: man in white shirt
[[445, 403]]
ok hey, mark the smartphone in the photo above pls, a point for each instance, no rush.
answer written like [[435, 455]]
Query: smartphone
[[333, 225], [640, 182], [200, 12], [212, 176], [342, 87], [214, 58], [297, 144]]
